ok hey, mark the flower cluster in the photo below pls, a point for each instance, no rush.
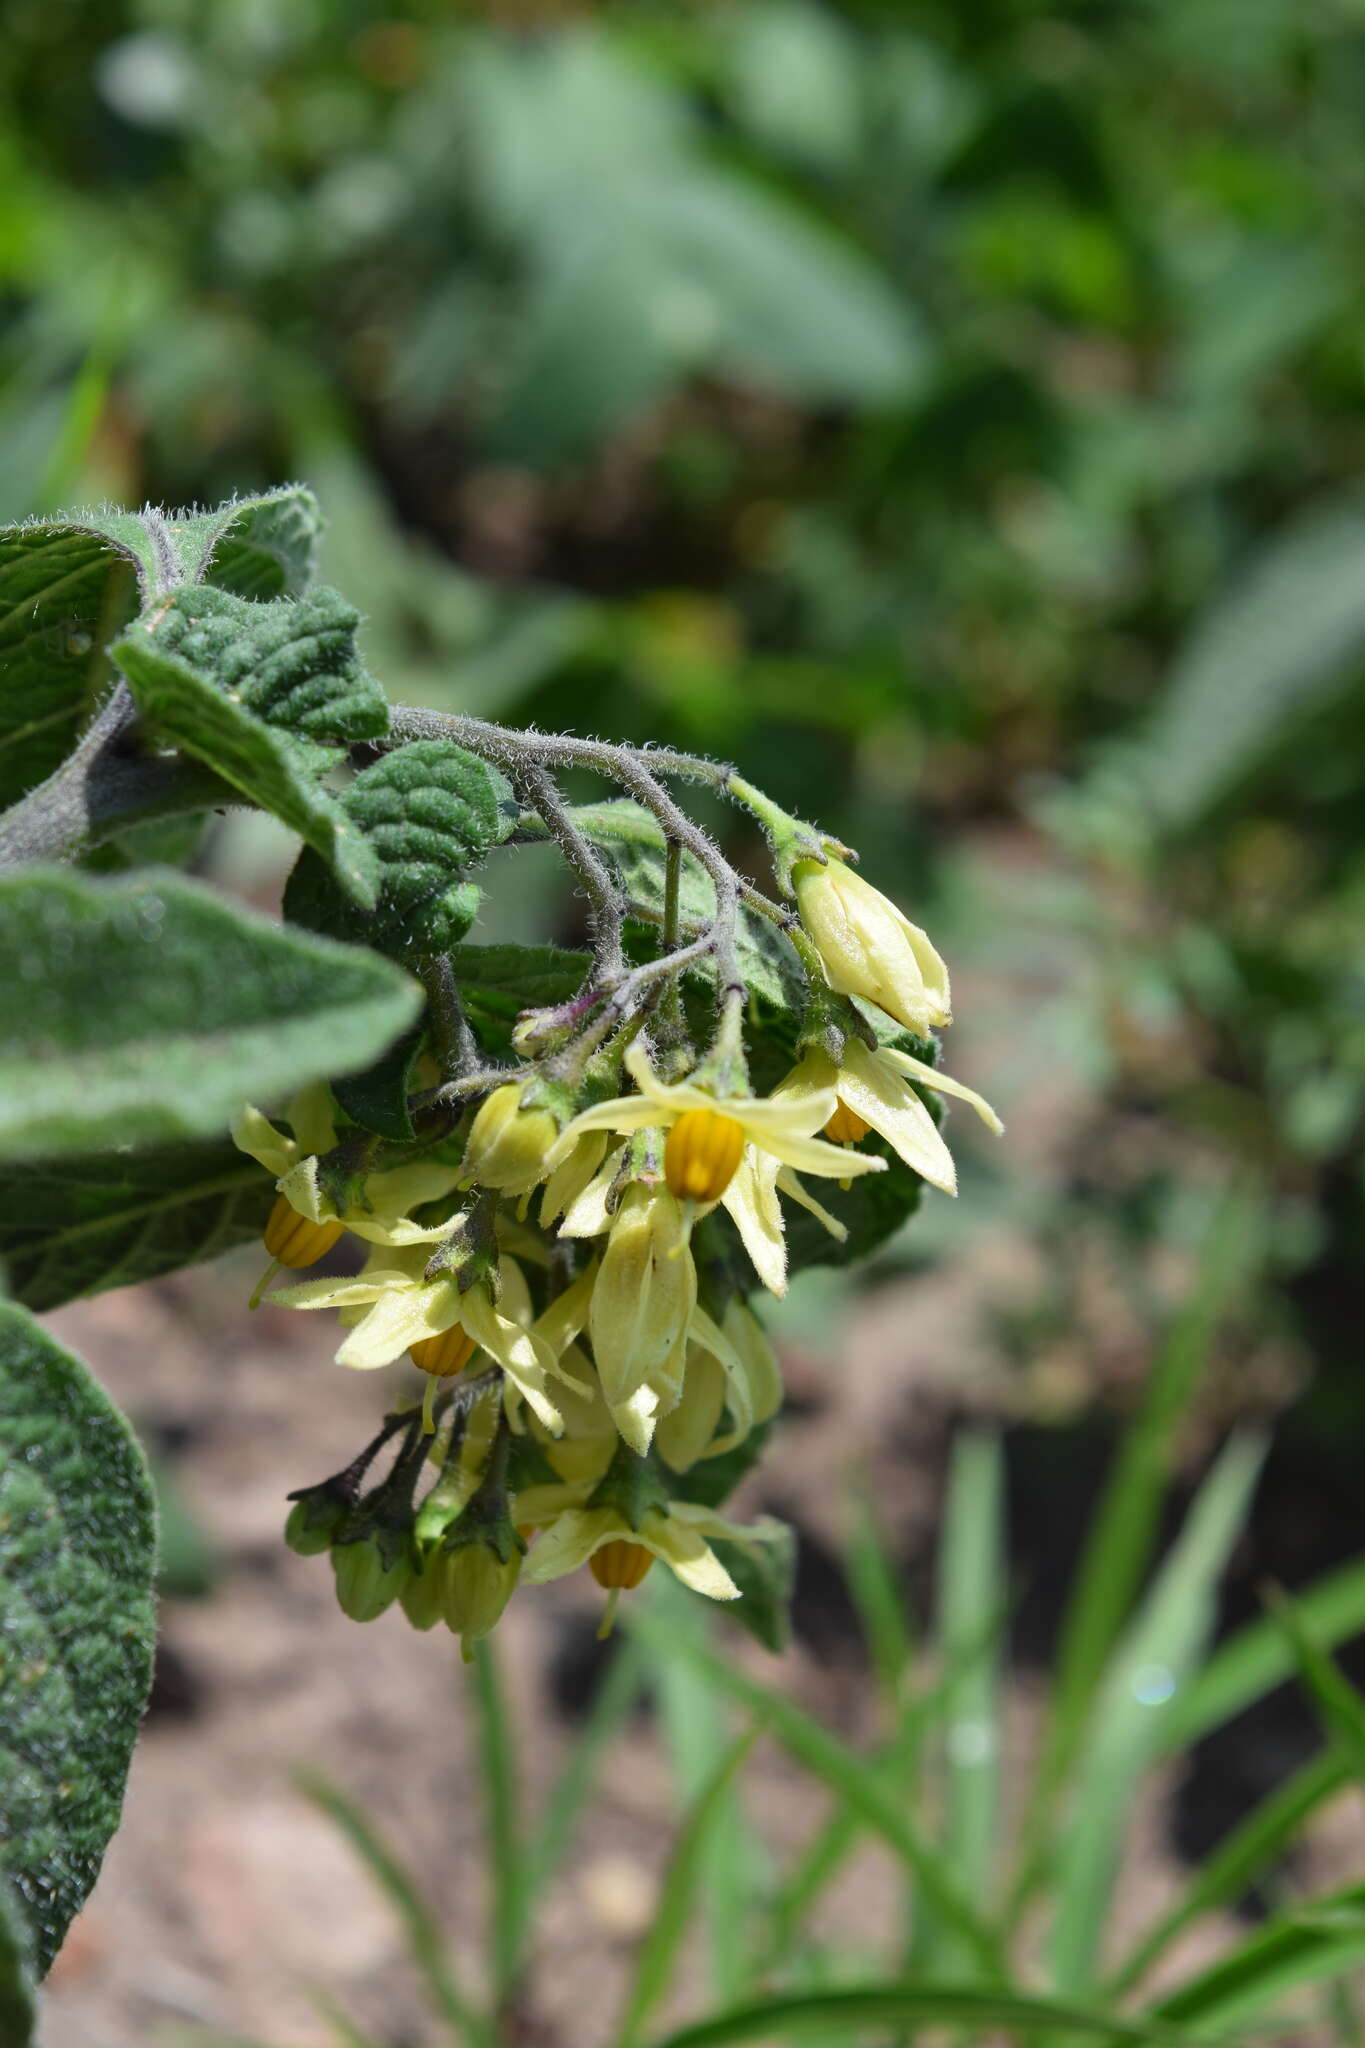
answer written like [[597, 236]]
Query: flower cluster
[[568, 1257]]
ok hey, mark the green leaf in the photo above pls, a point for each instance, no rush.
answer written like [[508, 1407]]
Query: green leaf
[[69, 586], [143, 1010], [17, 2008], [377, 1097], [766, 1577], [849, 2015], [1339, 1705], [972, 1571], [77, 1555], [65, 590], [428, 812], [78, 1225], [511, 1872], [258, 692], [255, 547]]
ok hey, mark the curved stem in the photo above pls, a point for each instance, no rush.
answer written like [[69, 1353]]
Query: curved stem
[[540, 790]]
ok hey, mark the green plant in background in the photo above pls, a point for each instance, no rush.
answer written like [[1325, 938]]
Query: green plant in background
[[1005, 1876], [595, 1381]]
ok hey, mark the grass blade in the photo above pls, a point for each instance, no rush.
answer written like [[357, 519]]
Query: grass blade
[[511, 1889], [659, 1950], [856, 1783], [424, 1938], [610, 1708], [878, 1596], [1119, 1546], [971, 1575], [1238, 1860], [846, 2014], [1338, 1703], [699, 1741], [1146, 1672], [1260, 1657], [1319, 1940]]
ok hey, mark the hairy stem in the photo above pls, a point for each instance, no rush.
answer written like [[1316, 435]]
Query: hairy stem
[[452, 1041], [541, 791]]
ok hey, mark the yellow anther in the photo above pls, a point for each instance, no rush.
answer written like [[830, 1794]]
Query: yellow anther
[[445, 1355], [702, 1154], [618, 1565], [294, 1240], [845, 1127]]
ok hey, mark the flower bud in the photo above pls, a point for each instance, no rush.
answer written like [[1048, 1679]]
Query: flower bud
[[293, 1240], [620, 1566], [444, 1355], [365, 1584], [702, 1154], [869, 948], [313, 1522], [845, 1127], [423, 1597], [508, 1144], [645, 1292], [477, 1586]]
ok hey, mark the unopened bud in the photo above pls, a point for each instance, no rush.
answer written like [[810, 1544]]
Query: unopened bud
[[702, 1154], [508, 1144], [477, 1586], [365, 1584], [312, 1524], [869, 948]]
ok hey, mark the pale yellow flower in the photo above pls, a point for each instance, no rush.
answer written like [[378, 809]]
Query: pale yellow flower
[[570, 1533], [730, 1365], [869, 948], [381, 1214], [876, 1087]]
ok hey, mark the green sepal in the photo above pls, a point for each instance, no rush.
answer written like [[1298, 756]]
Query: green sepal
[[765, 1573], [469, 1254], [527, 1465], [632, 1485]]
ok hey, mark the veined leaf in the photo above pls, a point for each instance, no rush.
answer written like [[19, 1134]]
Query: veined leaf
[[70, 586], [79, 1225], [259, 693], [428, 812], [77, 1553], [149, 1009]]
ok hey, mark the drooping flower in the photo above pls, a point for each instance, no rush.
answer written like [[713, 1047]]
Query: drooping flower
[[645, 1292], [874, 1088], [509, 1141], [572, 1533], [381, 1212], [730, 1366], [869, 948], [392, 1306]]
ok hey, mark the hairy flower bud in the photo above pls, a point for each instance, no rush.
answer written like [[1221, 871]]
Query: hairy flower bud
[[365, 1584], [508, 1144], [702, 1154], [620, 1566], [869, 948], [293, 1240]]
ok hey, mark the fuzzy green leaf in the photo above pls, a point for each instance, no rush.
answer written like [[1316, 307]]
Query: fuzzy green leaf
[[65, 589], [377, 1096], [69, 586], [260, 693], [16, 1973], [144, 1010], [427, 811], [77, 1226], [77, 1556]]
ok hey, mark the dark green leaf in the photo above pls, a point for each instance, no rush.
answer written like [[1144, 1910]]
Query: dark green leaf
[[142, 1010], [79, 1225], [428, 812], [377, 1096], [1320, 1938], [77, 1554], [16, 1973], [65, 590], [766, 1576], [254, 691]]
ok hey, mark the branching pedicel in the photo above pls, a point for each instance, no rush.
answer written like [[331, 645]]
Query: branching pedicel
[[569, 1175]]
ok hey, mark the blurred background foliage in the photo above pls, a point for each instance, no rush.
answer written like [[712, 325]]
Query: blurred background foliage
[[951, 412]]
